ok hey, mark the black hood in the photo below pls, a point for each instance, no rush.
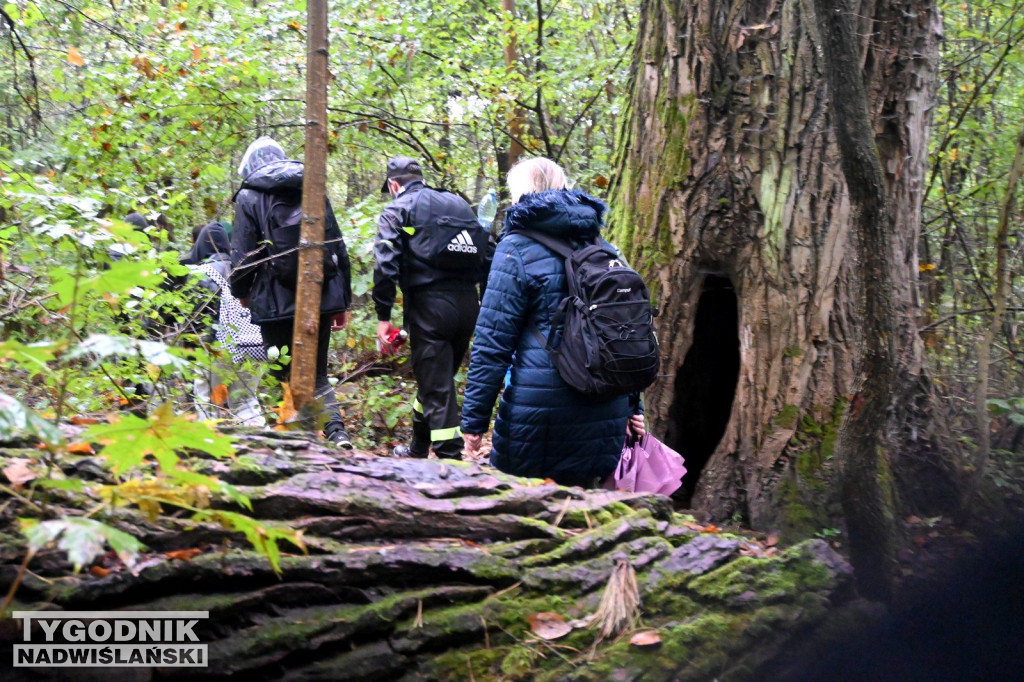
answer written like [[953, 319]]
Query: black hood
[[276, 177], [212, 240]]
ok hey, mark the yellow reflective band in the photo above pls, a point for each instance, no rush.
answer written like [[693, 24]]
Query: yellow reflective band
[[417, 406], [444, 434]]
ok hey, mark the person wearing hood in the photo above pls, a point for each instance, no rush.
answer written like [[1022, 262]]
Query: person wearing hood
[[231, 326], [268, 208], [544, 427]]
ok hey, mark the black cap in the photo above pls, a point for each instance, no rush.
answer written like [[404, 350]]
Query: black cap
[[399, 166]]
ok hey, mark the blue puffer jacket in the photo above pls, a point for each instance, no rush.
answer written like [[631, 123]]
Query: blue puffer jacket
[[544, 428]]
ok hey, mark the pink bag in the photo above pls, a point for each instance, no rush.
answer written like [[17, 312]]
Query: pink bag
[[647, 466]]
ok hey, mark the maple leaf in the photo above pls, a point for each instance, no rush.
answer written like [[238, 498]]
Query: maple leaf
[[219, 395], [286, 411]]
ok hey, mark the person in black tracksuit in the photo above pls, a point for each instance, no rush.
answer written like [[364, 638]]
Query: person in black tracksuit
[[272, 190], [440, 306]]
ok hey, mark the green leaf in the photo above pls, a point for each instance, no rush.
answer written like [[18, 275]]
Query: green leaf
[[83, 539], [32, 357], [106, 345], [263, 537], [162, 435], [122, 277], [18, 420]]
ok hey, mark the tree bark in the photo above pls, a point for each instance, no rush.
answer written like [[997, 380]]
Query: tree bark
[[516, 125], [862, 443], [314, 190], [731, 197], [425, 569]]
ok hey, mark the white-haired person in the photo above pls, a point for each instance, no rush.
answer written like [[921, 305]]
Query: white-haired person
[[544, 427]]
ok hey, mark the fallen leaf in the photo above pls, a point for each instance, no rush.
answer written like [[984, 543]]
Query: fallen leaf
[[286, 411], [81, 448], [99, 571], [712, 528], [183, 554], [646, 638], [219, 395], [75, 57], [18, 473], [83, 420], [549, 625], [772, 540]]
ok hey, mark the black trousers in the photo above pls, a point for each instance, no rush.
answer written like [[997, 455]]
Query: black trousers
[[279, 334], [440, 325]]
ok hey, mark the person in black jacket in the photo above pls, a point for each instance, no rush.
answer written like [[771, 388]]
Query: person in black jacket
[[266, 225], [440, 305]]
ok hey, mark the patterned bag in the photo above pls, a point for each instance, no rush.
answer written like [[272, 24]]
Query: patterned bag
[[235, 329]]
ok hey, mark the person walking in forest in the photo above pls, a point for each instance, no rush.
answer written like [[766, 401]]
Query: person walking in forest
[[264, 240], [430, 244], [545, 428], [229, 324]]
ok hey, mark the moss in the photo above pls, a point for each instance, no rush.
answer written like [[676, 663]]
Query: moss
[[519, 662], [787, 417], [772, 579], [617, 530], [577, 518], [793, 352], [462, 666]]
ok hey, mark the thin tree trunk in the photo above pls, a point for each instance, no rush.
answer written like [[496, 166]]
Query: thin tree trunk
[[862, 444], [314, 190], [515, 114], [1001, 276]]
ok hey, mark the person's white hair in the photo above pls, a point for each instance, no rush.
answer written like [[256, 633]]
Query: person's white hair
[[535, 175]]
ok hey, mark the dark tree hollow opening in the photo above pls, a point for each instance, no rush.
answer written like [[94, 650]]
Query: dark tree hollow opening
[[705, 385]]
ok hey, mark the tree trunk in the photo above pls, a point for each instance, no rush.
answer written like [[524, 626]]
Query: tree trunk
[[314, 190], [432, 570], [1002, 292], [731, 196]]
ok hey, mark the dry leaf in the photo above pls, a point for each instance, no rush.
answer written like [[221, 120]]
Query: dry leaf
[[83, 420], [99, 571], [772, 540], [646, 638], [183, 554], [81, 448], [549, 625], [286, 411], [75, 57], [18, 473], [219, 395]]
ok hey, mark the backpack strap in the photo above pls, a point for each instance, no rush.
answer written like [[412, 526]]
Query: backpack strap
[[564, 249], [560, 246]]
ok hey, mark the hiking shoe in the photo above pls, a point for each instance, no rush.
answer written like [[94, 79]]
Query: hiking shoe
[[339, 439], [406, 451]]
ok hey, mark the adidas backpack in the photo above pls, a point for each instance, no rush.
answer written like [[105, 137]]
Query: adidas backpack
[[608, 347], [445, 233]]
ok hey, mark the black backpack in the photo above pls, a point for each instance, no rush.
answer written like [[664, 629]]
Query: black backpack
[[608, 347], [282, 230], [446, 234]]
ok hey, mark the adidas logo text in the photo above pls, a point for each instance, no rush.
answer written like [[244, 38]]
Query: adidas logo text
[[463, 243]]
